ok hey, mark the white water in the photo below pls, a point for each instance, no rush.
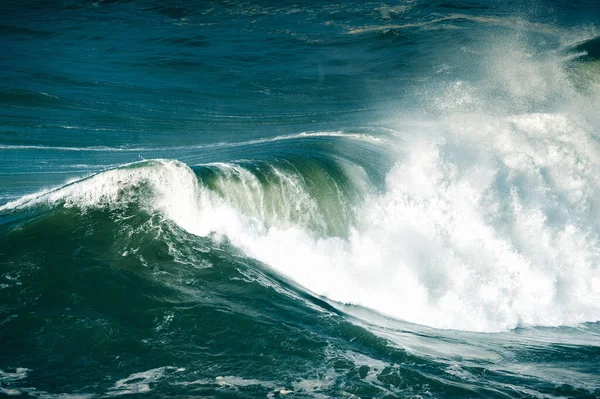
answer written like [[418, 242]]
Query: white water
[[489, 220], [490, 217]]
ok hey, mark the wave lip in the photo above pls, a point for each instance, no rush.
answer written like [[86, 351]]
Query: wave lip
[[307, 194], [111, 188]]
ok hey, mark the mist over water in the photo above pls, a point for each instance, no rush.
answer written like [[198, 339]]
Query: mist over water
[[387, 200]]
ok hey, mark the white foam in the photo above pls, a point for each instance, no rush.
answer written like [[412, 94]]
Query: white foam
[[489, 220], [140, 382], [234, 381], [20, 373]]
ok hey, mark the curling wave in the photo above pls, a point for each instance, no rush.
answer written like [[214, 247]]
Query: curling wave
[[488, 220]]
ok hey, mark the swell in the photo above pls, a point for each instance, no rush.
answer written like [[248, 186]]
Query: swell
[[346, 136]]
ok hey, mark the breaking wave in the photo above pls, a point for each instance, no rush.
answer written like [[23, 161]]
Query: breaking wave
[[487, 221]]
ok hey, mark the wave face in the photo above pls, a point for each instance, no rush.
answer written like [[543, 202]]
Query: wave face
[[359, 200]]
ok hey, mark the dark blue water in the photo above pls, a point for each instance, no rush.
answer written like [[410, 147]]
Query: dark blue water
[[287, 199]]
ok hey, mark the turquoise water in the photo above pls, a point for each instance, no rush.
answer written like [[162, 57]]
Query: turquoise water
[[305, 200]]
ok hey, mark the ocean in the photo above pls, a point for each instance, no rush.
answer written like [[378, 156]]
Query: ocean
[[293, 199]]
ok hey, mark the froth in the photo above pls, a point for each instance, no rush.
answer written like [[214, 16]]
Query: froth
[[489, 219], [485, 229]]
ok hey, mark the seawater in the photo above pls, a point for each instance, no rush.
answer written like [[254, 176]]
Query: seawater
[[300, 199]]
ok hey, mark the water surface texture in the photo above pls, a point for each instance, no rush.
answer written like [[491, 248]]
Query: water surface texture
[[250, 199]]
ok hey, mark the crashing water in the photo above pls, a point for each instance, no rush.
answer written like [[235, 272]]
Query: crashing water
[[436, 239]]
